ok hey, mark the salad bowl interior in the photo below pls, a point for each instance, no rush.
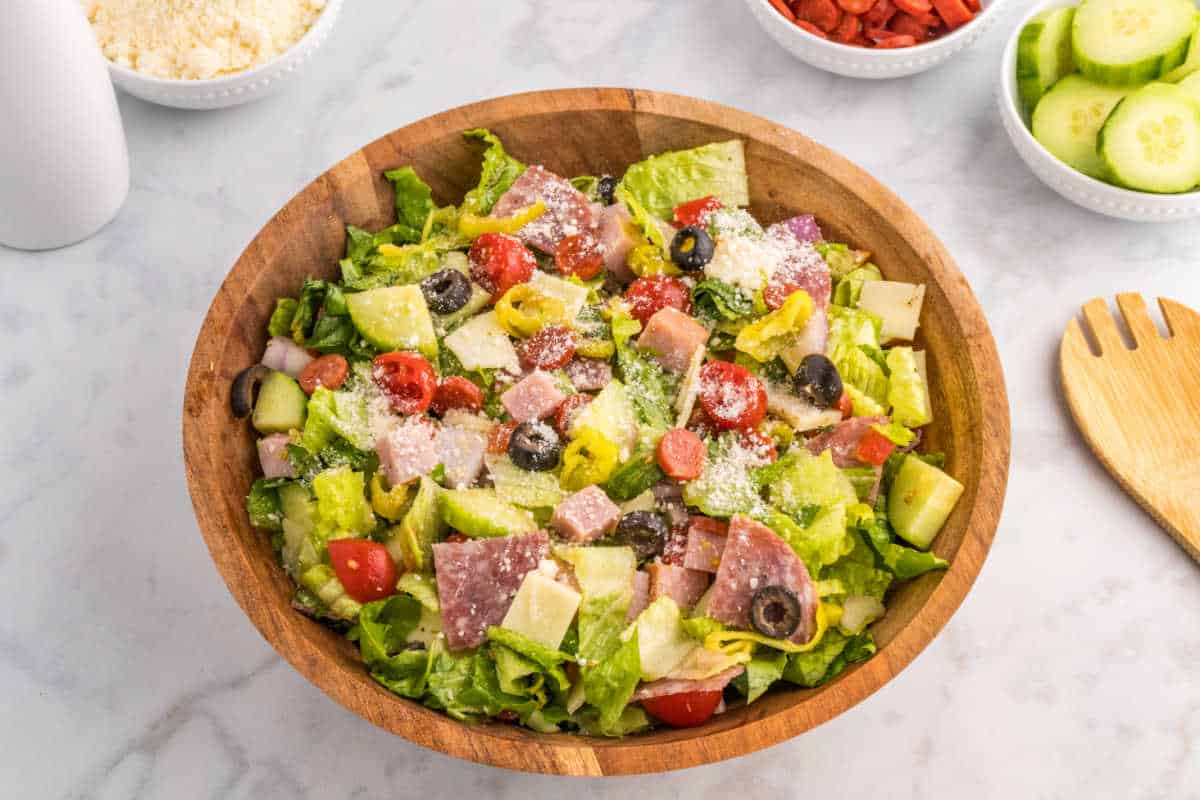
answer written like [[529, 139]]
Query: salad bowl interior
[[596, 131]]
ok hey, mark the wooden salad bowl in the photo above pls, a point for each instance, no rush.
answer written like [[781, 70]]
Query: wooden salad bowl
[[576, 132]]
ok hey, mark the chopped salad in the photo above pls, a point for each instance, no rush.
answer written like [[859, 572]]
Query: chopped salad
[[596, 454]]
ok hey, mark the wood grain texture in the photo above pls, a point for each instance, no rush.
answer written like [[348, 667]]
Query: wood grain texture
[[1139, 407], [592, 131]]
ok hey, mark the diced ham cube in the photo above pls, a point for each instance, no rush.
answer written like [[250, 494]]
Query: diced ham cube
[[617, 236], [585, 516], [534, 397], [704, 547], [462, 452], [589, 374], [673, 337], [755, 558], [272, 455], [641, 595], [684, 586], [478, 579], [568, 210], [408, 451]]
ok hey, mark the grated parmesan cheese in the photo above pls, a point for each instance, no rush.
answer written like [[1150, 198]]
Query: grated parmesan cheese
[[198, 39]]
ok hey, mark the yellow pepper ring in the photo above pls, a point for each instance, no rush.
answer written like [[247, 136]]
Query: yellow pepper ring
[[473, 226], [733, 642], [589, 459], [523, 311], [389, 503]]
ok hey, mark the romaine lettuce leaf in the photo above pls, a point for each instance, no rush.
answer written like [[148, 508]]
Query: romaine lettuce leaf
[[906, 389], [643, 219], [800, 479], [499, 171], [383, 627], [663, 181], [649, 386], [719, 302], [605, 577], [262, 504], [414, 204], [342, 506], [761, 671], [633, 477], [729, 483], [849, 288], [902, 561], [609, 685], [829, 658], [548, 660], [664, 644], [281, 318]]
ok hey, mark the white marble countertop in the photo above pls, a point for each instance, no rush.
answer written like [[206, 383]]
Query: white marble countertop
[[128, 671]]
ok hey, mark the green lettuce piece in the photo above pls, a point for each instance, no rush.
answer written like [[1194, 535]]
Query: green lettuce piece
[[664, 181], [383, 627], [588, 185], [405, 673], [467, 687], [412, 540], [342, 505], [281, 317], [823, 541], [332, 414], [849, 288], [840, 258], [422, 588], [902, 561], [406, 264], [856, 573], [499, 171], [518, 675], [718, 301], [262, 505], [610, 685], [414, 203], [728, 485], [761, 672], [859, 370], [896, 433], [827, 660], [862, 478], [906, 390], [334, 603], [642, 218], [548, 660], [649, 386], [304, 316], [605, 577], [851, 328], [800, 479], [700, 627], [664, 643], [633, 477], [632, 720]]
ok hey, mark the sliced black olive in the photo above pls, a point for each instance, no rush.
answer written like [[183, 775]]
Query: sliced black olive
[[242, 395], [692, 248], [605, 188], [446, 291], [775, 612], [817, 381], [645, 531], [534, 446]]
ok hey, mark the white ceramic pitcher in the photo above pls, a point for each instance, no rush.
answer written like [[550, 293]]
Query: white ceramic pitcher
[[64, 169]]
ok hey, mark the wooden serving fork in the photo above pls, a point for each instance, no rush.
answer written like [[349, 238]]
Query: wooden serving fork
[[1139, 408]]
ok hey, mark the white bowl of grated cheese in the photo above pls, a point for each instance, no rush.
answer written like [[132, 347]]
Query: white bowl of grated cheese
[[205, 54]]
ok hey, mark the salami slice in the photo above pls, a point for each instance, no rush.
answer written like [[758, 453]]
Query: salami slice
[[568, 211], [843, 440], [666, 686], [755, 558], [478, 579]]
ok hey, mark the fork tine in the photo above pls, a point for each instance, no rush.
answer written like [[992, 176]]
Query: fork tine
[[1103, 326], [1137, 318], [1180, 319]]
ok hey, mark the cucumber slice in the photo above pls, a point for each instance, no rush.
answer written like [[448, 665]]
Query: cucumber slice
[[478, 513], [394, 318], [1126, 42], [281, 405], [1191, 85], [1151, 141], [920, 500], [1044, 54], [1068, 119], [1191, 64]]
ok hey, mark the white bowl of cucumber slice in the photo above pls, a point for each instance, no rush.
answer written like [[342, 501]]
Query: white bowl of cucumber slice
[[1102, 102]]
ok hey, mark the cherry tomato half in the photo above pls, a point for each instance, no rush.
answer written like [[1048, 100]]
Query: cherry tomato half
[[696, 212], [499, 262], [456, 392], [550, 348], [566, 412], [329, 371], [580, 256], [407, 379], [683, 710], [874, 448], [647, 296], [731, 396], [365, 568]]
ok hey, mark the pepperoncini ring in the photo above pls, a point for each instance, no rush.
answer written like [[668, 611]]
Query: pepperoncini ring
[[647, 259], [523, 311], [473, 226], [590, 458], [389, 503]]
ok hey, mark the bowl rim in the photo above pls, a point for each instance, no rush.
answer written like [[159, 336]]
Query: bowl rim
[[572, 754], [1010, 103], [324, 20], [900, 54]]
